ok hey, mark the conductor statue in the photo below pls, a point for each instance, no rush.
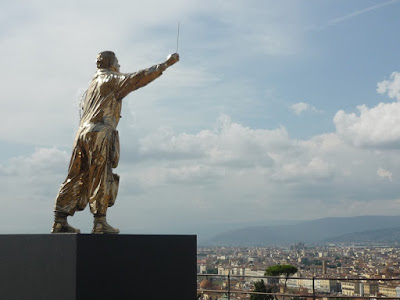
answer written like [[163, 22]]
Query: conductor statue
[[95, 152]]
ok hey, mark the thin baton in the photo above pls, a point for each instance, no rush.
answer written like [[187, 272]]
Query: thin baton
[[177, 39]]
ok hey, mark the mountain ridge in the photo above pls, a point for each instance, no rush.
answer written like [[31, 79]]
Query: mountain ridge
[[311, 231], [385, 235]]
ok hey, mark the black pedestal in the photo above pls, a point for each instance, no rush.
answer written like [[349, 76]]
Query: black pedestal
[[85, 267]]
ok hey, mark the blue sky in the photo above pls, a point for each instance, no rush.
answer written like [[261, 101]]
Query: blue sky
[[277, 110]]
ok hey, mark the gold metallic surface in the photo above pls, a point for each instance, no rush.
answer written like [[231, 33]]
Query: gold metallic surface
[[100, 226], [96, 147]]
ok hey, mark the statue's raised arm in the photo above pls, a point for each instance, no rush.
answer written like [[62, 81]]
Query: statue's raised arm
[[133, 81], [96, 147]]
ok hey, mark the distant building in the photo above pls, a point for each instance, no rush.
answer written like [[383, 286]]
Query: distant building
[[201, 269], [350, 288], [369, 288], [389, 291], [327, 285], [324, 267]]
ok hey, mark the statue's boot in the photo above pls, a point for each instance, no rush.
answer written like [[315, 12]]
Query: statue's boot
[[61, 225], [100, 225]]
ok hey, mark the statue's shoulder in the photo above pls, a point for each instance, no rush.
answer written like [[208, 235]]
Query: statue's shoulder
[[108, 76]]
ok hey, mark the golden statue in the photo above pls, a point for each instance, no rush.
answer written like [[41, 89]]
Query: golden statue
[[96, 147]]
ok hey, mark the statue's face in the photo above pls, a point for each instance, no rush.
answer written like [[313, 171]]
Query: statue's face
[[115, 66]]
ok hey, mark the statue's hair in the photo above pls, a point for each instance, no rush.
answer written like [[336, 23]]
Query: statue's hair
[[105, 59]]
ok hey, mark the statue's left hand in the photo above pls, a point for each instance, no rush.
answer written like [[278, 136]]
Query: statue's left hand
[[172, 59]]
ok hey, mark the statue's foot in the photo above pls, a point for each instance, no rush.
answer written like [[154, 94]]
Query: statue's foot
[[63, 227], [100, 226]]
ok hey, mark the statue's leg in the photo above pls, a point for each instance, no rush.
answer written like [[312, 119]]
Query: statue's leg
[[100, 225], [65, 206], [99, 207], [104, 184], [70, 192]]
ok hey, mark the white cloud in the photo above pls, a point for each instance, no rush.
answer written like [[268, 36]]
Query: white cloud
[[301, 107], [391, 86], [378, 126], [229, 144], [316, 168], [43, 161], [384, 174]]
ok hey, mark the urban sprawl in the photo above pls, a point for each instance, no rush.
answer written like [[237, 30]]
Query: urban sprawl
[[363, 271]]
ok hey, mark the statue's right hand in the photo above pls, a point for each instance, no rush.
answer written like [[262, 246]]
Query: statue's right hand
[[172, 59]]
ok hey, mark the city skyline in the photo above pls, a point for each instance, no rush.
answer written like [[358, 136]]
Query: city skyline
[[334, 270], [276, 111]]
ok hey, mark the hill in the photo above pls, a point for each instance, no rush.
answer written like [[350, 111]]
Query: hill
[[320, 230], [386, 235]]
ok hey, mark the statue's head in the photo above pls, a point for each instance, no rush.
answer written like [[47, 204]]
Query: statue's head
[[107, 60]]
